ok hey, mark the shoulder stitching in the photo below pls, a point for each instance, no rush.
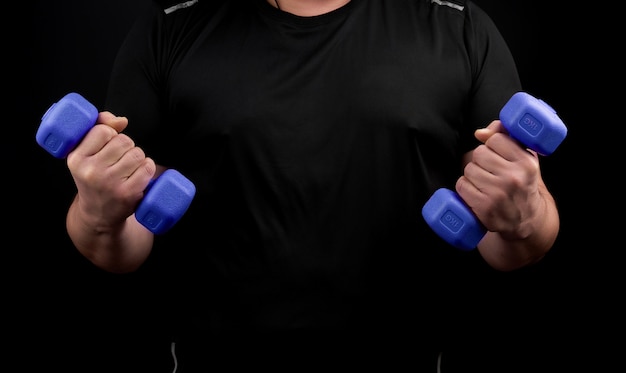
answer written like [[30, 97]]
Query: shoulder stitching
[[174, 8], [455, 4]]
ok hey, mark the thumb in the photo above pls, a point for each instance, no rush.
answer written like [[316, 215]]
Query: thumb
[[483, 134], [113, 121]]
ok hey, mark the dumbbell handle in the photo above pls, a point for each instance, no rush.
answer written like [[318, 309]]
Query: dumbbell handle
[[64, 125], [530, 121]]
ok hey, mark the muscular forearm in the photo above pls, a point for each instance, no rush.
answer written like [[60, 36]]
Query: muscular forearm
[[507, 255], [119, 249]]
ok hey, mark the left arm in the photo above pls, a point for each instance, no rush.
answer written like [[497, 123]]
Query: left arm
[[503, 185]]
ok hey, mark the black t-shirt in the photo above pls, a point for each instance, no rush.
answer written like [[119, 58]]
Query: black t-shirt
[[313, 143]]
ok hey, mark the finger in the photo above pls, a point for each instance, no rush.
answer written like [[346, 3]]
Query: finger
[[128, 164], [135, 176], [143, 174], [93, 142], [116, 148], [470, 194], [489, 160], [480, 177], [507, 147]]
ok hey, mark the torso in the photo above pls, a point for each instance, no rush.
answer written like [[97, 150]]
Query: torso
[[314, 142]]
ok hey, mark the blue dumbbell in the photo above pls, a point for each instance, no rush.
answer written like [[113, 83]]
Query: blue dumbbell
[[64, 125], [530, 121]]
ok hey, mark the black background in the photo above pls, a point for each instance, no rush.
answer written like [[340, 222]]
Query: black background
[[63, 309]]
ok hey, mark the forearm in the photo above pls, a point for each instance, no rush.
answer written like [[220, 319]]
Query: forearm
[[119, 249], [509, 254]]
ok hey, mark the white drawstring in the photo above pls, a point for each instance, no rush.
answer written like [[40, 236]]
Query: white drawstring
[[173, 350], [439, 362]]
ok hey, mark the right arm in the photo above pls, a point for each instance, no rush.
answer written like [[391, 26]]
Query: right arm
[[110, 174]]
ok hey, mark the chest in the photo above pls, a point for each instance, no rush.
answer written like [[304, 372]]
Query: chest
[[376, 72]]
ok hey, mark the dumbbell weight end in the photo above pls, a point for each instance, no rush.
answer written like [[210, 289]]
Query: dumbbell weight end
[[166, 200], [65, 123], [449, 216]]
